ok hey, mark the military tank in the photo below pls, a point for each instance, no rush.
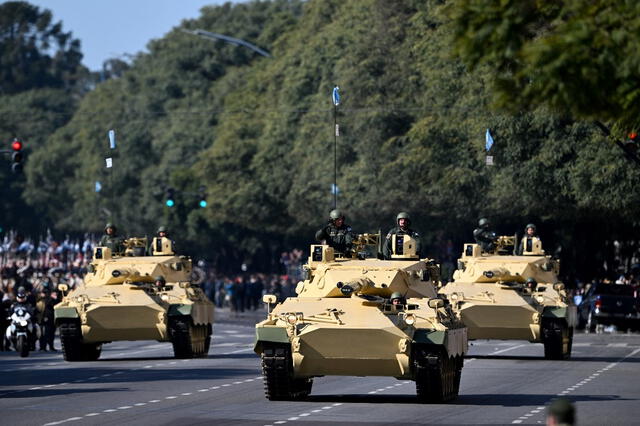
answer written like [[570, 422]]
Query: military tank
[[131, 296], [501, 294], [343, 323]]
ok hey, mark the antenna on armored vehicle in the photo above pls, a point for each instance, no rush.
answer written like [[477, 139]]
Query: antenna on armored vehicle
[[335, 97]]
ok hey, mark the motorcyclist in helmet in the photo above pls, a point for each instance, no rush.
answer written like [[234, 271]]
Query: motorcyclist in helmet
[[336, 233]]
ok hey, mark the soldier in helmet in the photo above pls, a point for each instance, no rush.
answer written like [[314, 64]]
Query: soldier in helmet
[[530, 234], [397, 298], [531, 284], [163, 232], [111, 239], [484, 236], [337, 233], [404, 228], [159, 281]]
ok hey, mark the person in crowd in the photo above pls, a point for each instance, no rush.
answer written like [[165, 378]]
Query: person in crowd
[[561, 412]]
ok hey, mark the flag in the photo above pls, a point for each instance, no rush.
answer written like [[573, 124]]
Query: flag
[[112, 139], [488, 140], [98, 186], [336, 96], [109, 162]]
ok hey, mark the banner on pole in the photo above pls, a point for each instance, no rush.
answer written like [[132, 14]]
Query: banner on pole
[[335, 97], [112, 139]]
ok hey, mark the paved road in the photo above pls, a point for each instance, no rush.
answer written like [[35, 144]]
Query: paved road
[[140, 383]]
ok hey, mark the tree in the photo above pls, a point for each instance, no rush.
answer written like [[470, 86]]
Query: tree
[[576, 57], [34, 51]]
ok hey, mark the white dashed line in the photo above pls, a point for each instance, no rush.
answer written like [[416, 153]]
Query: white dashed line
[[572, 388]]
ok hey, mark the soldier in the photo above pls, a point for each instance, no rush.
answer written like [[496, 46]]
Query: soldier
[[404, 222], [397, 298], [111, 239], [337, 233], [45, 316], [159, 282], [485, 237], [163, 232], [530, 233]]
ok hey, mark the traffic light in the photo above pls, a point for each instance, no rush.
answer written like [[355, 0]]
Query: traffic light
[[17, 157], [631, 144], [171, 201], [203, 197]]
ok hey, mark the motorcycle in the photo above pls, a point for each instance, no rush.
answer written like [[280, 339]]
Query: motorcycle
[[22, 332]]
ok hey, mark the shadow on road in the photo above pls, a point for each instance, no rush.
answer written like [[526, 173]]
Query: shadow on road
[[67, 390]]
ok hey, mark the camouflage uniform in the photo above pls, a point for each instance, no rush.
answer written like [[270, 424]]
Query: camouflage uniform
[[387, 250], [339, 237], [115, 243]]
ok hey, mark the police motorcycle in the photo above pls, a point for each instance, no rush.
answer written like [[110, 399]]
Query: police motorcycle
[[22, 332]]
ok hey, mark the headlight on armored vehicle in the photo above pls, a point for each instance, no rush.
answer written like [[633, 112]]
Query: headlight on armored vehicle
[[79, 299], [292, 318], [165, 297], [23, 323], [410, 319], [540, 299]]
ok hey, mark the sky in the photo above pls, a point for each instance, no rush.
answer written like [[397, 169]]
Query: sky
[[115, 28]]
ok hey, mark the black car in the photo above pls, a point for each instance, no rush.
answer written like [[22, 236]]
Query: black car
[[609, 304]]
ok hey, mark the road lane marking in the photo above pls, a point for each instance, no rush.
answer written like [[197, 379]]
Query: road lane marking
[[154, 401], [507, 349], [570, 389]]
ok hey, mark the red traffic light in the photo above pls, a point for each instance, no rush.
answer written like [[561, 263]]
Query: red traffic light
[[16, 145]]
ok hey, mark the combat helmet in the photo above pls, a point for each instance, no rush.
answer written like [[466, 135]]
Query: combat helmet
[[403, 215], [161, 279], [531, 283], [336, 214], [530, 225], [162, 229], [110, 225], [483, 222]]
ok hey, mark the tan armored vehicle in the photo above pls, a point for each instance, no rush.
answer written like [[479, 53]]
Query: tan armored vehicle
[[500, 295], [362, 316], [135, 297]]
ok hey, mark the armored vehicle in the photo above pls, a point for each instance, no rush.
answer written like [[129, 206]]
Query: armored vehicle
[[363, 316], [502, 295], [131, 296]]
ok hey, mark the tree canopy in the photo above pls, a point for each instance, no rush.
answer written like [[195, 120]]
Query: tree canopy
[[258, 134]]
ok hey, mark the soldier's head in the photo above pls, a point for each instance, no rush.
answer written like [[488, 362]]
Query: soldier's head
[[336, 217], [163, 231], [397, 298], [110, 229], [403, 220], [530, 230], [21, 295], [483, 223], [159, 281], [531, 284], [561, 412]]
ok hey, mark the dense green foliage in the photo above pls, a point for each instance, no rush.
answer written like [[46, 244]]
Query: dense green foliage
[[579, 57], [258, 134]]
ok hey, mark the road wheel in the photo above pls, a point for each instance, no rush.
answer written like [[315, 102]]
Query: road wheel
[[436, 374], [22, 346], [277, 371], [557, 338], [188, 340], [71, 339]]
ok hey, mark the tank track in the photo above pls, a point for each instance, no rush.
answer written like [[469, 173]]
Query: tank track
[[189, 340], [72, 347], [436, 374], [277, 371], [557, 338]]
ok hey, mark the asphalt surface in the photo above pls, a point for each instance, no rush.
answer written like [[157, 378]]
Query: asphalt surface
[[140, 383]]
